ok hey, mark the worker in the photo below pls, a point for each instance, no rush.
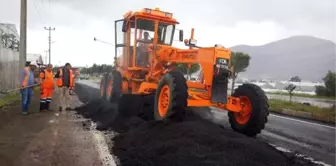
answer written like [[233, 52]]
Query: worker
[[27, 82], [65, 83], [47, 87], [143, 57]]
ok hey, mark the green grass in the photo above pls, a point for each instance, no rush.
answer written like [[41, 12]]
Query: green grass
[[277, 105], [94, 78], [304, 95], [12, 97]]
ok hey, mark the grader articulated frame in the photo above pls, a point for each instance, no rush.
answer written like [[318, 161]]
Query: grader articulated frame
[[147, 67]]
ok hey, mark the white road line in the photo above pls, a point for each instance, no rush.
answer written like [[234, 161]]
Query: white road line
[[102, 147], [302, 121], [300, 155]]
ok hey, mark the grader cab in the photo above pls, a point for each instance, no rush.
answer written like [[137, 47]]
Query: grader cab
[[145, 65]]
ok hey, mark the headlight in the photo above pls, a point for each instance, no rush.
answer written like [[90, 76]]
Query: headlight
[[219, 45], [148, 11], [192, 42], [169, 15]]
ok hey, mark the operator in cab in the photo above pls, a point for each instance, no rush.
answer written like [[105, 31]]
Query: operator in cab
[[142, 59]]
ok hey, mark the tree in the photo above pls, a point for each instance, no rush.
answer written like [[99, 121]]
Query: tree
[[240, 61], [97, 69], [183, 67], [295, 79], [330, 81], [290, 88], [321, 90]]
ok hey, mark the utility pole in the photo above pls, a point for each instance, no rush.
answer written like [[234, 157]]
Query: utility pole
[[46, 56], [49, 29], [23, 34]]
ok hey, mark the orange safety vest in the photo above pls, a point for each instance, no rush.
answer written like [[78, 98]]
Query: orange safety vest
[[47, 79], [26, 77], [72, 82], [59, 81]]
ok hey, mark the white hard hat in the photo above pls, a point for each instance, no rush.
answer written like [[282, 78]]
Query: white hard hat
[[33, 63]]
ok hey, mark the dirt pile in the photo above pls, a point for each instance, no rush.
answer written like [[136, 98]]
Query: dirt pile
[[192, 142]]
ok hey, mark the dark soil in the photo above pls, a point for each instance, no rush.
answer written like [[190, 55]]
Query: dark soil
[[193, 141]]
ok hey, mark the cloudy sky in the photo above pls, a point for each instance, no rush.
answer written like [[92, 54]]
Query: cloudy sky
[[223, 22]]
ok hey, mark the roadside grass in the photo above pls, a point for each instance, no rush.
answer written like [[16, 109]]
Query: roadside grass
[[94, 78], [277, 105], [304, 95], [13, 97], [8, 99]]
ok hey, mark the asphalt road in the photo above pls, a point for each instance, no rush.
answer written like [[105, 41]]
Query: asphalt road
[[307, 139]]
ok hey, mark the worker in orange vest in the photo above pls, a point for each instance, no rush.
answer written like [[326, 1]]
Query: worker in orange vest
[[27, 82], [72, 88], [65, 83], [47, 87]]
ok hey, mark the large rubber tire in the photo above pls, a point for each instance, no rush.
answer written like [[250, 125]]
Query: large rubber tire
[[259, 110], [175, 84], [113, 86], [103, 83]]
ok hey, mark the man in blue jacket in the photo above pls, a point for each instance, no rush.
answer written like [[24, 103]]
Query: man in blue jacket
[[27, 82]]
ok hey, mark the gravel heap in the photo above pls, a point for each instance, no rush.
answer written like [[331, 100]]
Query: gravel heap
[[194, 141]]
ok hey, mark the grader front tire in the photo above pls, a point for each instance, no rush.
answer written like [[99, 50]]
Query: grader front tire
[[255, 110], [171, 96]]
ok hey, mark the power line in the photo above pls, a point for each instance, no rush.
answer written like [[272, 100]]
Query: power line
[[38, 12], [49, 29]]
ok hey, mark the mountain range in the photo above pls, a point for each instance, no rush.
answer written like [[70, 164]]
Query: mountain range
[[305, 56]]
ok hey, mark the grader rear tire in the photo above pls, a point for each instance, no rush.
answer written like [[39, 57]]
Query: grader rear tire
[[113, 86], [255, 111], [103, 83], [171, 96]]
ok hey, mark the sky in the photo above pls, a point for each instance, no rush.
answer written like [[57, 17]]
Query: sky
[[224, 22]]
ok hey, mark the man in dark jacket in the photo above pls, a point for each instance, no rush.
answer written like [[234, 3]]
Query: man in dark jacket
[[64, 82]]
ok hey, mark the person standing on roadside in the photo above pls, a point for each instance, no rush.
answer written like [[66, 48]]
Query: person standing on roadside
[[27, 82], [64, 82], [47, 87]]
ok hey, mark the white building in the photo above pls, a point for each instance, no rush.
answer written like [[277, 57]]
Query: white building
[[34, 57]]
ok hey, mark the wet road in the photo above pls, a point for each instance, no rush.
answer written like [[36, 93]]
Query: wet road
[[46, 138], [308, 139], [303, 137]]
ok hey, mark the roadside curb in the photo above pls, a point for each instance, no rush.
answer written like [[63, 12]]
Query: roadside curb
[[305, 115]]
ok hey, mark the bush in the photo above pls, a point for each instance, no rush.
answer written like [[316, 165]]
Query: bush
[[321, 90], [330, 81]]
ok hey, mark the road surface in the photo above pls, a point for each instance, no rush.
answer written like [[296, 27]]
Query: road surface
[[303, 137], [46, 138], [307, 139]]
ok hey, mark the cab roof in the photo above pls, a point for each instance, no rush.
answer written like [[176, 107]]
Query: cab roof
[[154, 14]]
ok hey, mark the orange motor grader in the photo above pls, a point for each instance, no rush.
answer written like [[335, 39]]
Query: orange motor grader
[[145, 65]]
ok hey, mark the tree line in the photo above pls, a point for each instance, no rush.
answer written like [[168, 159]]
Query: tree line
[[97, 69]]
